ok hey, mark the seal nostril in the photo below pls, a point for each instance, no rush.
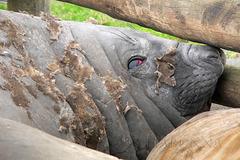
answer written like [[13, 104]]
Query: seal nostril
[[215, 56], [222, 56], [219, 51]]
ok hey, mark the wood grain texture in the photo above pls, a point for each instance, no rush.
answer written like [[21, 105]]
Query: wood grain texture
[[34, 7], [212, 22], [210, 135], [22, 142], [228, 89]]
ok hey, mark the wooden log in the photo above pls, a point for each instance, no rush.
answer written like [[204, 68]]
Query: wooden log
[[228, 88], [22, 142], [210, 135], [34, 7], [212, 22]]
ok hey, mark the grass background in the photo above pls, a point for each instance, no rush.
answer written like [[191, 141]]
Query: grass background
[[72, 12]]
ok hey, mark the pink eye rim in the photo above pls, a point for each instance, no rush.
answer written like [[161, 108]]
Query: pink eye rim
[[140, 61]]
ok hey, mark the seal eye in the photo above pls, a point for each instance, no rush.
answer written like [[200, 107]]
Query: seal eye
[[134, 63]]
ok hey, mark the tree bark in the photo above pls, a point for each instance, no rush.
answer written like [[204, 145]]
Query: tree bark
[[34, 7], [212, 22], [228, 88]]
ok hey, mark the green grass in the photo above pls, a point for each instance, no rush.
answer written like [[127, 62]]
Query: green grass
[[3, 6], [231, 54], [72, 12]]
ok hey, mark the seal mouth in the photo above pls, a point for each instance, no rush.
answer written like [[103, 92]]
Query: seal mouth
[[206, 107]]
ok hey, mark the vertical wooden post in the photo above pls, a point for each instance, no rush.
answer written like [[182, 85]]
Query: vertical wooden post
[[34, 7]]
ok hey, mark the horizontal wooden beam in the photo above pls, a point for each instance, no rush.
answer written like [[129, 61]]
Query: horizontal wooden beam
[[213, 22]]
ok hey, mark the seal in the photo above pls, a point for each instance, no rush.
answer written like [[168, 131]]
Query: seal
[[115, 90]]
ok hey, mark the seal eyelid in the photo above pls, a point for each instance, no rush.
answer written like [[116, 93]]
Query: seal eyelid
[[135, 62]]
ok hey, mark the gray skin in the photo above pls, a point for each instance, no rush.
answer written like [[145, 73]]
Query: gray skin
[[129, 135]]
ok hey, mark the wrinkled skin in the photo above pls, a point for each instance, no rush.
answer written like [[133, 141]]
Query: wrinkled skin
[[128, 134]]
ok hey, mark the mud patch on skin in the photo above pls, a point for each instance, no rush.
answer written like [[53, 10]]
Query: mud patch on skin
[[32, 90], [14, 38], [72, 65], [18, 58], [81, 101], [13, 35], [78, 131], [74, 45], [129, 107], [57, 109], [45, 84], [29, 114], [84, 107], [14, 86], [19, 73], [65, 124], [165, 69], [91, 134], [54, 27], [54, 68], [15, 64], [114, 87]]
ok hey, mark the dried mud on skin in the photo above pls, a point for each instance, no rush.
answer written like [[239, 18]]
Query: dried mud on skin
[[129, 107], [32, 90], [14, 77], [9, 74], [80, 100], [54, 28], [114, 87], [87, 127], [165, 69], [72, 65], [13, 85]]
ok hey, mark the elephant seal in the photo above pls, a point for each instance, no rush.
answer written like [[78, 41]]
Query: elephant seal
[[116, 90]]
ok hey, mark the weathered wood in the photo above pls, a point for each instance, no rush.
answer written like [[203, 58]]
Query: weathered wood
[[228, 87], [34, 7], [210, 135], [22, 142], [212, 22]]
